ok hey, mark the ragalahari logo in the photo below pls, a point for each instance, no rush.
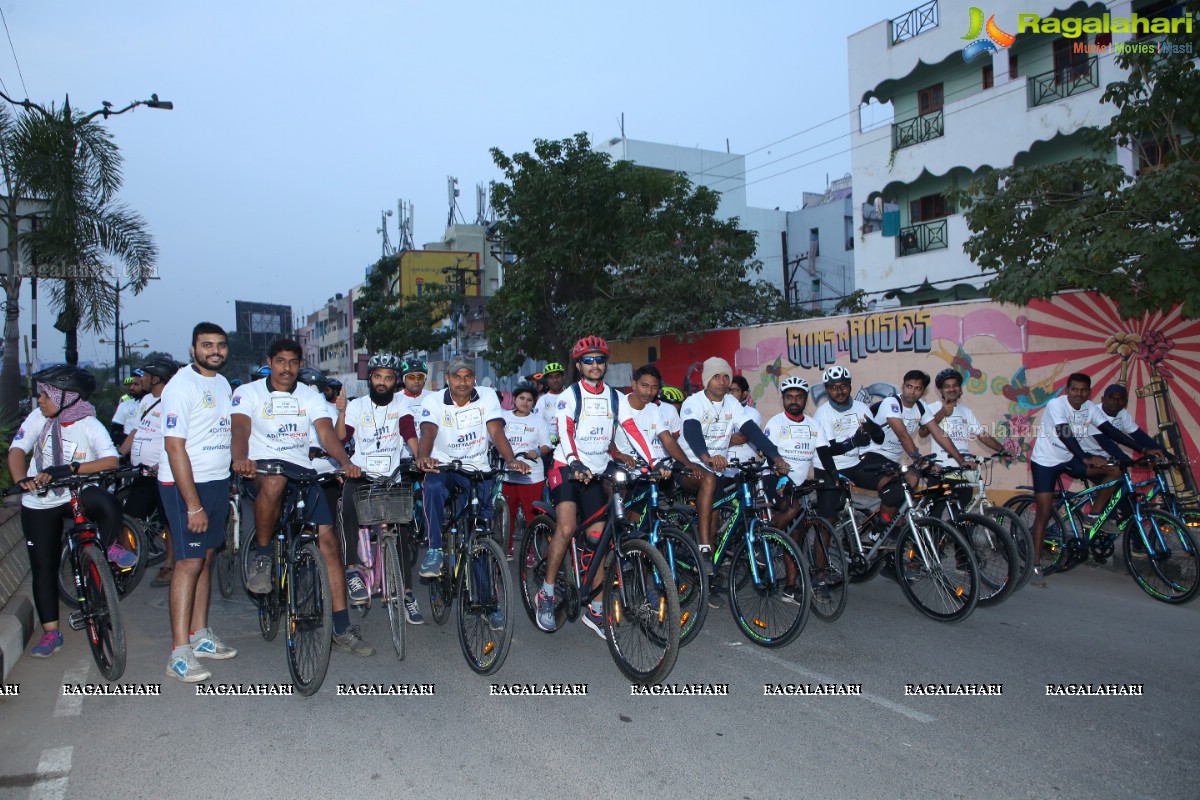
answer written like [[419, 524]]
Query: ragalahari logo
[[996, 38]]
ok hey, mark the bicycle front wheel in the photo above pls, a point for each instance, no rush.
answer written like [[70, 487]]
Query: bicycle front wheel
[[227, 560], [101, 613], [309, 620], [827, 566], [393, 591], [641, 612], [684, 563], [502, 523], [995, 556], [1161, 556], [154, 536], [938, 573], [1018, 531], [1053, 557], [531, 570], [762, 610], [485, 606]]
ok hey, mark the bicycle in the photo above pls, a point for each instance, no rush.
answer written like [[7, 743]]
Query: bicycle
[[95, 590], [641, 604], [1158, 492], [485, 607], [130, 536], [383, 506], [1005, 517], [823, 551], [933, 562], [230, 555], [1162, 557], [300, 584]]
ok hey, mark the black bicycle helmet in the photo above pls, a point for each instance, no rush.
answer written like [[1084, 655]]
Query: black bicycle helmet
[[525, 386], [947, 374], [413, 364], [335, 384], [312, 377], [160, 367], [69, 379]]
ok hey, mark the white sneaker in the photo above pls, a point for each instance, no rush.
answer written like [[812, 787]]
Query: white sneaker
[[184, 666]]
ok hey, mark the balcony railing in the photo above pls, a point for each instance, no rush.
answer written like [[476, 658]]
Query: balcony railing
[[914, 23], [1063, 82], [918, 129], [922, 237]]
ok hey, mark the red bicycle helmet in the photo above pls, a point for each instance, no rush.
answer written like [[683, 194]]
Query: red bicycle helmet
[[589, 344]]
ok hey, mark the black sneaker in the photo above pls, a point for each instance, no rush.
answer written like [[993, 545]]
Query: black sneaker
[[792, 594]]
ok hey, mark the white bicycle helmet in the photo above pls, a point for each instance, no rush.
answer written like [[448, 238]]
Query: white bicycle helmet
[[793, 382], [384, 361], [834, 374]]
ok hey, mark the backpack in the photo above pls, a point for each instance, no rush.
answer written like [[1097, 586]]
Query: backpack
[[612, 398], [874, 407]]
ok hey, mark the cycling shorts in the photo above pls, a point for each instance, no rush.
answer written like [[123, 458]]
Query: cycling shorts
[[1045, 479]]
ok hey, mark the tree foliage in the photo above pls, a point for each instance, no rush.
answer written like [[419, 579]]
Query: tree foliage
[[401, 325], [1085, 223], [611, 249]]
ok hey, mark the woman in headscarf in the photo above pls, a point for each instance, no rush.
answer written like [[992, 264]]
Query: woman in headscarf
[[65, 438]]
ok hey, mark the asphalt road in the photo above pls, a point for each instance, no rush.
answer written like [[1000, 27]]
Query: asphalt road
[[1090, 626]]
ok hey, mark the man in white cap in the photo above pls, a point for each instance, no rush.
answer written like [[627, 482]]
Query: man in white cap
[[710, 418]]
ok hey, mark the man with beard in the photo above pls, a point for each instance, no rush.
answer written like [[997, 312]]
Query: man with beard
[[382, 428]]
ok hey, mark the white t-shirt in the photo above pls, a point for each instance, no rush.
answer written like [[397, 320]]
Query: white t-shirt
[[797, 441], [279, 421], [718, 422], [148, 438], [547, 406], [462, 430], [841, 425], [911, 417], [670, 417], [125, 415], [589, 438], [639, 434], [960, 426], [746, 452], [197, 408], [82, 441], [524, 434], [378, 445], [414, 405], [1048, 450], [1122, 422]]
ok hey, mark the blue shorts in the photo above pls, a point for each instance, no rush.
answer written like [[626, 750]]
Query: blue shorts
[[1045, 479], [214, 498]]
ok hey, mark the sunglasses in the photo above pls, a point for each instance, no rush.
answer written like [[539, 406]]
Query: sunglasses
[[590, 360]]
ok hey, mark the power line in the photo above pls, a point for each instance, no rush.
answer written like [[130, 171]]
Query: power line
[[14, 53]]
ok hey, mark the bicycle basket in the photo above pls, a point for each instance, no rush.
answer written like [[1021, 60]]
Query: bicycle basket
[[378, 504]]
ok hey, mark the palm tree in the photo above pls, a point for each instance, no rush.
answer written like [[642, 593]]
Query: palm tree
[[71, 167]]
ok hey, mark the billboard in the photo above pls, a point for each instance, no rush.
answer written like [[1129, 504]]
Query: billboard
[[419, 268]]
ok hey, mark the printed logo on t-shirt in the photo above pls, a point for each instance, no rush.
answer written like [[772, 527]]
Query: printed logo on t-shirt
[[237, 400], [208, 401], [20, 435], [171, 420], [562, 404]]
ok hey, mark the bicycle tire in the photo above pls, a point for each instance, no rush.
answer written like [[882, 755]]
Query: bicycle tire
[[826, 559], [995, 557], [1054, 549], [310, 619], [1019, 532], [227, 559], [844, 531], [392, 593], [531, 570], [501, 526], [684, 564], [484, 587], [154, 534], [759, 608], [440, 598], [642, 630], [102, 617], [1168, 570], [953, 581], [130, 537]]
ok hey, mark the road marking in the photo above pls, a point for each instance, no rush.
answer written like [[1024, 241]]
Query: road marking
[[71, 706], [817, 677], [53, 771]]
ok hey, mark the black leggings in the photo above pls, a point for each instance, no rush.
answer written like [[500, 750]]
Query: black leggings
[[44, 539]]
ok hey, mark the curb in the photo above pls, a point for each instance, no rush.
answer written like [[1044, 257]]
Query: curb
[[16, 627]]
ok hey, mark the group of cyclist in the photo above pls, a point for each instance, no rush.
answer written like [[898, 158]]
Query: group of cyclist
[[189, 428]]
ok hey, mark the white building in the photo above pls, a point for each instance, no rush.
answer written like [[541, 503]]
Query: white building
[[1024, 104], [820, 248], [724, 173]]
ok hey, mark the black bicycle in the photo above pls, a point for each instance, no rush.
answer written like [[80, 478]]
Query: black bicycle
[[300, 583], [130, 536]]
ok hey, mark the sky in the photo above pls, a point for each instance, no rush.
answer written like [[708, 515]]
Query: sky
[[296, 124]]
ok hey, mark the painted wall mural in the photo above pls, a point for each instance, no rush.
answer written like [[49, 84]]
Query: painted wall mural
[[1016, 360]]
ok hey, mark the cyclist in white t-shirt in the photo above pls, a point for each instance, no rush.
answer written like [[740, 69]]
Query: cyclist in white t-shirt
[[271, 419], [530, 439], [739, 389], [414, 373]]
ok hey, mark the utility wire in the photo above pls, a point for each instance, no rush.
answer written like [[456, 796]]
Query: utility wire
[[14, 53]]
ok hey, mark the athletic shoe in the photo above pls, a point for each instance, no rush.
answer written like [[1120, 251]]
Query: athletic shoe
[[496, 620], [714, 598], [792, 594], [706, 563], [122, 558], [545, 612], [209, 646], [163, 578], [412, 611], [184, 666], [1038, 579], [594, 621], [431, 567], [50, 641], [259, 581], [357, 587], [352, 642]]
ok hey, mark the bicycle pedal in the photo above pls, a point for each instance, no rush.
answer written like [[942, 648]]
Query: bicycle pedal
[[76, 621]]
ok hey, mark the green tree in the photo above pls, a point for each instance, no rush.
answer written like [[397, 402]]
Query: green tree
[[612, 249], [400, 325], [1085, 223]]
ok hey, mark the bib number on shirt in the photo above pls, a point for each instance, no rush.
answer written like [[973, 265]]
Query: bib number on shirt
[[379, 465], [285, 406], [595, 407], [468, 418]]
